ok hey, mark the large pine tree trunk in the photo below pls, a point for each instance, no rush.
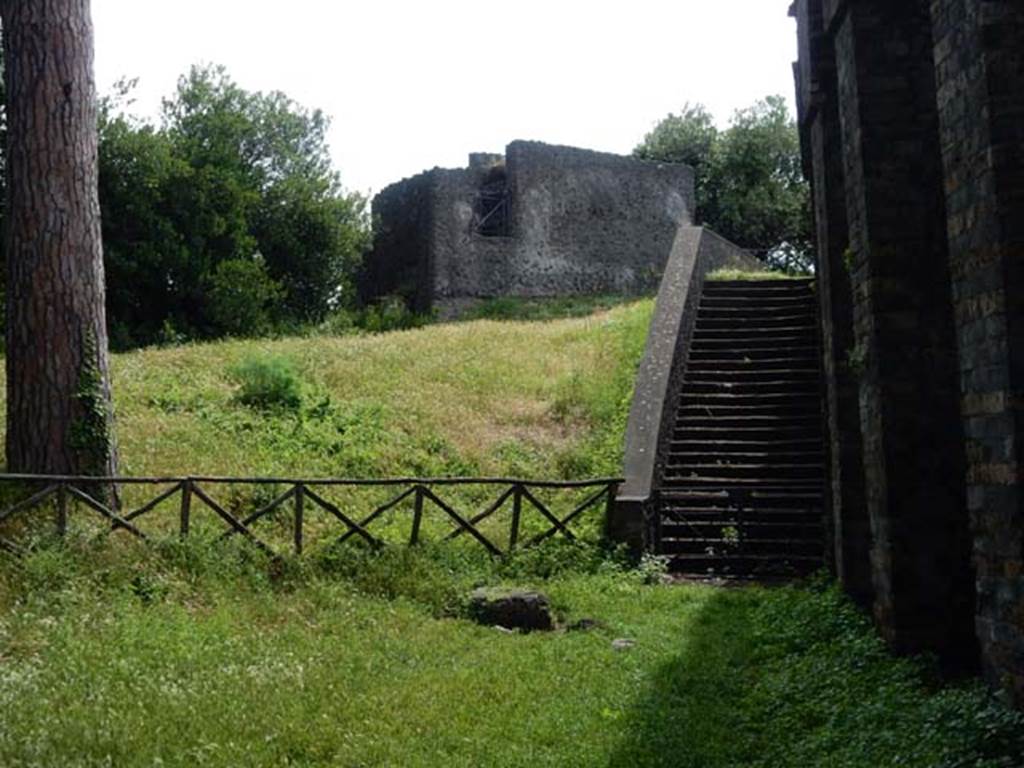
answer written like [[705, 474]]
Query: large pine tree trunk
[[59, 416]]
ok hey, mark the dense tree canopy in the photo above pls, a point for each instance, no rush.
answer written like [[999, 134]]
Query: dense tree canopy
[[749, 183], [224, 219]]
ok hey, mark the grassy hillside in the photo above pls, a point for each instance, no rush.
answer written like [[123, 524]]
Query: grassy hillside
[[485, 397]]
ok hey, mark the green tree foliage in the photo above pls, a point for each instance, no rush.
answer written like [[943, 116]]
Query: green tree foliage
[[224, 219], [749, 183], [689, 137], [242, 296]]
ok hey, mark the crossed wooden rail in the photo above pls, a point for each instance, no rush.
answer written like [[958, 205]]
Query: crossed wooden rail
[[63, 489]]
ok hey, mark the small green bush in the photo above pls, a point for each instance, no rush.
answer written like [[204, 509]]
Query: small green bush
[[391, 313], [267, 382], [339, 323], [241, 294]]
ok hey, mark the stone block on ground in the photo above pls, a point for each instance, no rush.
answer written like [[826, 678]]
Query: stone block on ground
[[512, 608]]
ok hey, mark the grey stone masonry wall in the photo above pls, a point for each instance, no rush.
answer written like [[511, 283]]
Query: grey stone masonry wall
[[930, 97], [818, 87], [591, 222], [696, 252], [979, 60], [401, 264], [871, 66], [464, 263], [903, 325], [578, 222]]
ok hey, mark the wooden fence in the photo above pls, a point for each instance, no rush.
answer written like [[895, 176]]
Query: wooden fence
[[60, 494]]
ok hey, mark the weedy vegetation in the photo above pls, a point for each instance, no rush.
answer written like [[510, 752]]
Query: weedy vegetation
[[192, 652]]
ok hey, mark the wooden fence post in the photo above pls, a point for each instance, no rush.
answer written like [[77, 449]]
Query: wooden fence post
[[609, 509], [417, 516], [186, 506], [300, 492], [62, 510], [517, 509]]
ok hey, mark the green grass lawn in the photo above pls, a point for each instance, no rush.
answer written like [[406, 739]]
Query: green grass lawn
[[186, 654], [194, 657]]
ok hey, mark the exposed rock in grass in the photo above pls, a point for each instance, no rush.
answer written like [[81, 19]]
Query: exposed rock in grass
[[582, 625], [511, 608]]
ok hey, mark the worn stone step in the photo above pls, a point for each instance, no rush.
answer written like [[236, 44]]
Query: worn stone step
[[769, 472], [738, 429], [745, 311], [722, 479], [815, 457], [745, 314], [754, 374], [807, 406], [709, 434], [804, 408], [779, 346], [807, 522], [774, 498], [777, 387], [780, 548], [759, 286], [784, 339], [703, 465], [726, 447], [698, 403], [804, 323], [759, 567], [682, 540], [801, 315], [786, 345], [701, 423], [767, 299], [748, 355], [741, 532], [799, 516], [810, 479], [739, 381], [805, 312], [720, 364], [795, 399], [751, 331], [759, 303]]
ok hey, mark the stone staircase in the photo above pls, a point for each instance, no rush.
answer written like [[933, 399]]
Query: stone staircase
[[740, 491]]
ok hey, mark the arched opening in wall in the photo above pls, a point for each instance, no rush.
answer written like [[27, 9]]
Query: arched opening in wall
[[491, 205]]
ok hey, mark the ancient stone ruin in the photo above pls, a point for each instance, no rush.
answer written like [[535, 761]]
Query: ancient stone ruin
[[912, 120], [538, 221]]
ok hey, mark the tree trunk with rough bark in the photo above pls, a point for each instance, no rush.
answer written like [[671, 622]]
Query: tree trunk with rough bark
[[59, 416]]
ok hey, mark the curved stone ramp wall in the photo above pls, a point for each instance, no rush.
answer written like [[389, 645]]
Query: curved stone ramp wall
[[696, 252]]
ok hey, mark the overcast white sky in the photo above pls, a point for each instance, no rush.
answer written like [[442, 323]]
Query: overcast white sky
[[413, 84]]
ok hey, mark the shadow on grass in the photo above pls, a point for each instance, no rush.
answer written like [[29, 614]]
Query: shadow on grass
[[798, 677], [687, 717]]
